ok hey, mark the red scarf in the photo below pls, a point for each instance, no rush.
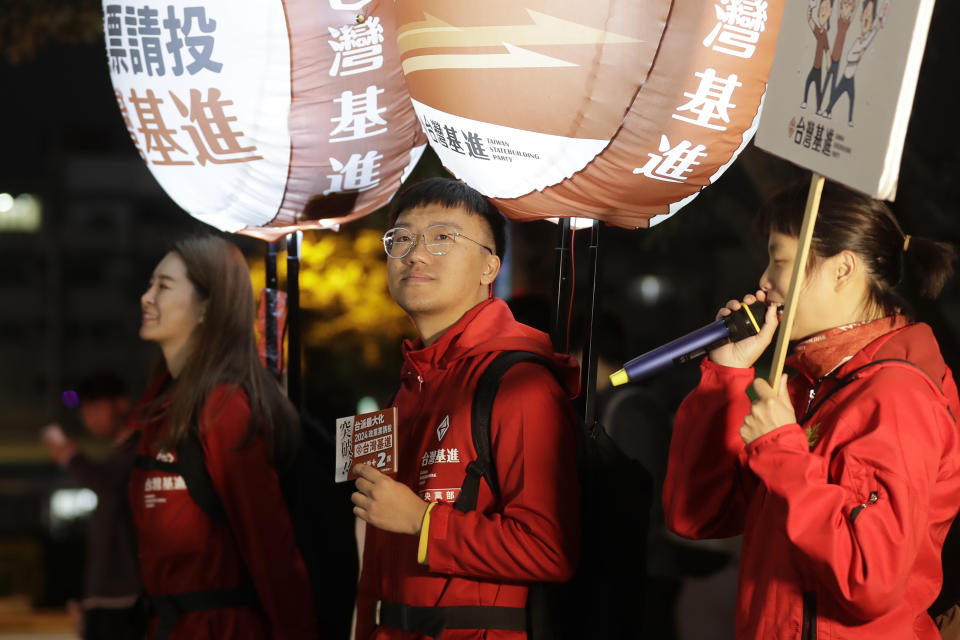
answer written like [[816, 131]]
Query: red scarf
[[823, 352]]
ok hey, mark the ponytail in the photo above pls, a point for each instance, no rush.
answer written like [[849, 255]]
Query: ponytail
[[927, 266], [900, 266]]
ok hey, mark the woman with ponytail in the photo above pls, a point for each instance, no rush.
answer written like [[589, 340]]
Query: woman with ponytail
[[220, 563], [845, 482]]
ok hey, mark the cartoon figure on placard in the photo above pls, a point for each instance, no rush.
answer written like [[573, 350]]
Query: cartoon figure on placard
[[870, 25], [820, 26], [847, 9]]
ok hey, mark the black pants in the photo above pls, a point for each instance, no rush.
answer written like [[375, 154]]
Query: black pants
[[114, 624], [830, 82], [815, 78], [845, 86]]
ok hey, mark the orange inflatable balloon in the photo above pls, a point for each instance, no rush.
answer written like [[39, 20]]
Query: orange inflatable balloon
[[618, 110]]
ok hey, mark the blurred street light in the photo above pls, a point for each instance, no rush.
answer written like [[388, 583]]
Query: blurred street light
[[22, 214]]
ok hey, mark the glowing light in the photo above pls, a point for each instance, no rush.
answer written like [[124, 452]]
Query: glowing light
[[70, 399], [650, 289], [70, 504], [575, 223], [22, 214], [367, 404]]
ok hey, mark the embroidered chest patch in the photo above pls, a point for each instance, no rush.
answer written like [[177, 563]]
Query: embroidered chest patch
[[813, 434], [443, 427]]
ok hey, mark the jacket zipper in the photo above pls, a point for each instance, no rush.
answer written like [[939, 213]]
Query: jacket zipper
[[813, 394], [860, 507], [412, 372], [809, 629]]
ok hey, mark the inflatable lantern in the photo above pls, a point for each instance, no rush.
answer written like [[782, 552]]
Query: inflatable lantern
[[617, 110], [264, 116]]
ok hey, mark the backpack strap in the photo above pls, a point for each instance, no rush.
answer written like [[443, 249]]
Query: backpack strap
[[480, 418], [169, 607], [433, 621], [844, 380], [190, 465]]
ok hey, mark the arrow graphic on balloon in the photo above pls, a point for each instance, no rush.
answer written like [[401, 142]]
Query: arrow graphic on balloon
[[433, 33]]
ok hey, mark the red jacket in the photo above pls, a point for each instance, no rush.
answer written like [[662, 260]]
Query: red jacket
[[846, 532], [182, 549], [486, 556]]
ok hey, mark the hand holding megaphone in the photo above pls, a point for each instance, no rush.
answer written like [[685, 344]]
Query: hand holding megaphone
[[750, 324]]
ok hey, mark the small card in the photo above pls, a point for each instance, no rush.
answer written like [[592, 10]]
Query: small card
[[366, 438]]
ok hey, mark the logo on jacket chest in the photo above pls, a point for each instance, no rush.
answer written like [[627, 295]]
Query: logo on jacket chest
[[439, 456], [436, 453], [155, 487], [440, 476], [443, 427], [440, 472]]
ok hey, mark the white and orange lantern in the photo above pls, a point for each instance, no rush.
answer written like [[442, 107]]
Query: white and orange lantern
[[265, 116], [617, 110]]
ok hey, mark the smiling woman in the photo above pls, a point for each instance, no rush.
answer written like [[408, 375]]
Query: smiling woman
[[172, 309], [211, 577]]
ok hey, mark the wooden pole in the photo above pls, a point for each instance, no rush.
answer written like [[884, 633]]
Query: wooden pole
[[796, 279]]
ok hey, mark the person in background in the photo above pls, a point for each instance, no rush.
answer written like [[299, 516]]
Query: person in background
[[111, 581], [845, 481], [240, 576], [428, 565]]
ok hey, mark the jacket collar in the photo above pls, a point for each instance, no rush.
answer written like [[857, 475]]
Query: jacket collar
[[828, 350], [423, 358], [913, 342], [489, 327]]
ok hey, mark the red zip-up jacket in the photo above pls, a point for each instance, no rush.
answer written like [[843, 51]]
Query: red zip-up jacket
[[842, 538], [183, 550], [489, 555]]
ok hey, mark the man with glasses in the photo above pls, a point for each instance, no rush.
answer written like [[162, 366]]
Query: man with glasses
[[427, 564]]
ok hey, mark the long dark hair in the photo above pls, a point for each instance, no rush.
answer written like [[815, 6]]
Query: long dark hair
[[849, 220], [223, 350]]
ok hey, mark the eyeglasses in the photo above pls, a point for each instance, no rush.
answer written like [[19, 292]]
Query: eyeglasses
[[438, 239]]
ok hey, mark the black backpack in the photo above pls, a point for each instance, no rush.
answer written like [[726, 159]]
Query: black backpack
[[322, 521], [605, 597]]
